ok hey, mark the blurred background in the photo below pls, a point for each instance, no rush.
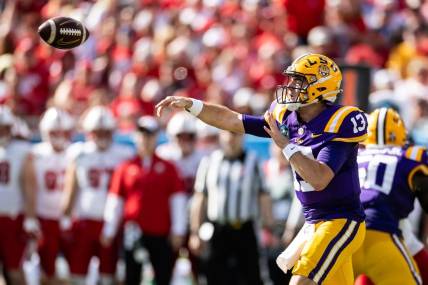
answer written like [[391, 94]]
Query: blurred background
[[226, 52]]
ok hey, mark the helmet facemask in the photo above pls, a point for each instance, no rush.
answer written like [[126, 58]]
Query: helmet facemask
[[294, 91]]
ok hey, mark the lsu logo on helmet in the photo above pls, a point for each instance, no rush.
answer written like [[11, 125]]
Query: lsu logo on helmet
[[310, 78]]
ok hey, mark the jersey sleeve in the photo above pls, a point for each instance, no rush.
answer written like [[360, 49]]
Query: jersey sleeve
[[254, 124], [335, 154], [419, 157], [116, 184], [348, 124]]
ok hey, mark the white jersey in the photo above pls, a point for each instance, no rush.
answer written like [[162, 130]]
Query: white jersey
[[11, 162], [187, 166], [49, 167], [93, 171]]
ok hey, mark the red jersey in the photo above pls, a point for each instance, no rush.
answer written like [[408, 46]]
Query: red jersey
[[146, 192]]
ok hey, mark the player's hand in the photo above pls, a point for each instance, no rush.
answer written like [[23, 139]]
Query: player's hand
[[177, 242], [274, 132], [177, 102], [32, 227], [106, 241], [195, 244], [65, 223]]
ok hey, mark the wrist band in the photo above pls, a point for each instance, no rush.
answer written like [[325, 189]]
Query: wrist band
[[196, 108], [289, 150]]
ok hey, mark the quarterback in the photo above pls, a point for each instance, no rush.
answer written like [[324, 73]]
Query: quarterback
[[320, 139], [392, 175]]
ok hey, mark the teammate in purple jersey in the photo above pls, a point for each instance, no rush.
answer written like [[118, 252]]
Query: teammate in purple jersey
[[320, 139], [392, 175]]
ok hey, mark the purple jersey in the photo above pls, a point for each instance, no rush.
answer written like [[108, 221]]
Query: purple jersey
[[386, 176], [332, 138]]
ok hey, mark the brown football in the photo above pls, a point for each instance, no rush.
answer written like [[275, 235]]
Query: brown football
[[63, 32]]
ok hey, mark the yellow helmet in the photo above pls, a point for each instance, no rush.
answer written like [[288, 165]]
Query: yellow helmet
[[386, 128], [312, 78]]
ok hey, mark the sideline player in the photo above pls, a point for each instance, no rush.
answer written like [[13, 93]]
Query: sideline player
[[320, 139], [13, 227], [44, 171], [392, 175], [86, 186]]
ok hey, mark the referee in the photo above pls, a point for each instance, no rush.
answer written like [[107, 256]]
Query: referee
[[228, 192]]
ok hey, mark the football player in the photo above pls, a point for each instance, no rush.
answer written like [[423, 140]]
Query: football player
[[86, 185], [44, 170], [320, 140], [13, 238], [392, 175]]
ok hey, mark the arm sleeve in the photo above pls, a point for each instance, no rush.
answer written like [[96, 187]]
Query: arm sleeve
[[114, 205], [253, 125], [334, 154]]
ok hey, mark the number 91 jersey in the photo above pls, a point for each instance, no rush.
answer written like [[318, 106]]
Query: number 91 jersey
[[386, 175], [94, 170], [49, 167]]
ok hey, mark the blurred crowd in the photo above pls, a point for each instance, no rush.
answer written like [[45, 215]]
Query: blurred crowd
[[227, 52]]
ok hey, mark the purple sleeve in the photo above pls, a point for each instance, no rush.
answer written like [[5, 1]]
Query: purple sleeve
[[253, 125], [335, 154]]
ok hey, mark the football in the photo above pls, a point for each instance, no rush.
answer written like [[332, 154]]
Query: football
[[63, 32]]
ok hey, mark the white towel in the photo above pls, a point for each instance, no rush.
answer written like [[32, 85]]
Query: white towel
[[291, 254]]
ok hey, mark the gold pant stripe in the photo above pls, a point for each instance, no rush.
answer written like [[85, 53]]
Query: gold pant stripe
[[335, 250], [409, 262]]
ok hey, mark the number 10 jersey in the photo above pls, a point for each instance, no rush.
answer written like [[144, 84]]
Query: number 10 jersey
[[386, 175]]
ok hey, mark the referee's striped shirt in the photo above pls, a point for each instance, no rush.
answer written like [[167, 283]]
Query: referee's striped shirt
[[232, 186]]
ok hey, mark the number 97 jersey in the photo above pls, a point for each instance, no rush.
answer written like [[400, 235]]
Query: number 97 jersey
[[386, 175]]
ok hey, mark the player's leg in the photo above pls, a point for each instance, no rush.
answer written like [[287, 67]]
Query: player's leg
[[82, 250], [133, 267], [49, 248], [387, 260], [161, 256], [359, 263], [14, 242], [108, 260], [421, 259], [248, 258], [328, 254]]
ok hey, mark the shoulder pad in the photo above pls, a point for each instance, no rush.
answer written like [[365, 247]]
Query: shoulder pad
[[416, 153], [348, 124]]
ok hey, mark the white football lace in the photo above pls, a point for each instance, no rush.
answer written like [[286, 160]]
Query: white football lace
[[70, 32]]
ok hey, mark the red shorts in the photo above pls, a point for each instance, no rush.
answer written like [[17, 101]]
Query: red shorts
[[12, 242], [86, 243], [50, 245]]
